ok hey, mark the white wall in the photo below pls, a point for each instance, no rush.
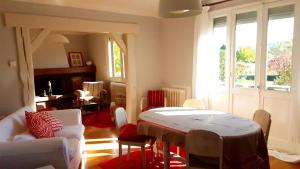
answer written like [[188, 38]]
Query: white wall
[[97, 52], [10, 85], [147, 47], [177, 39], [55, 55], [78, 43], [50, 55]]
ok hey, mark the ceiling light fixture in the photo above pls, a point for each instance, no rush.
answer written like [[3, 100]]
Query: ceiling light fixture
[[179, 8]]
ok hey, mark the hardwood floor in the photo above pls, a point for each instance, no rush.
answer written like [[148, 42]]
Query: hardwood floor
[[101, 145]]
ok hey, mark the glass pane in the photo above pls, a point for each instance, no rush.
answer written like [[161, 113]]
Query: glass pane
[[279, 48], [245, 46], [117, 59], [219, 47]]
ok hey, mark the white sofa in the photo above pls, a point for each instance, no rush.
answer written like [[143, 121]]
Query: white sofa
[[62, 152]]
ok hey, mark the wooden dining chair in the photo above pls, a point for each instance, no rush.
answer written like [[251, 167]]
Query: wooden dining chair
[[177, 139], [204, 150], [154, 99], [127, 135], [194, 103], [263, 118]]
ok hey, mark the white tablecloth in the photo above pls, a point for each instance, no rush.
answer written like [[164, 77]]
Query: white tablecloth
[[186, 119], [242, 138]]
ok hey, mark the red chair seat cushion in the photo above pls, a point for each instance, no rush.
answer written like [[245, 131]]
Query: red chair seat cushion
[[128, 132]]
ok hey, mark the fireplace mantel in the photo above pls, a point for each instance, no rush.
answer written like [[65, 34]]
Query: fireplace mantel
[[64, 71]]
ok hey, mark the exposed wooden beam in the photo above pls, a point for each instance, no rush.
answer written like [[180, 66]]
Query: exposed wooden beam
[[39, 39], [68, 24], [29, 64]]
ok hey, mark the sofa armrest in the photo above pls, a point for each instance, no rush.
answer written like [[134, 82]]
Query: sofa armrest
[[68, 116], [35, 153]]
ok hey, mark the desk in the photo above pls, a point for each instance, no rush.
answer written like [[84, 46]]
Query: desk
[[242, 138]]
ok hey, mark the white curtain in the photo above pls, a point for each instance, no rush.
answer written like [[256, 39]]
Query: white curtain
[[26, 66], [206, 71]]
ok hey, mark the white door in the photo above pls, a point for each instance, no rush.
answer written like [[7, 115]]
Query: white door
[[258, 66], [276, 69], [234, 39], [245, 62]]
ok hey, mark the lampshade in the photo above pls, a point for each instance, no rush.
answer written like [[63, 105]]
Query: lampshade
[[57, 38], [179, 8]]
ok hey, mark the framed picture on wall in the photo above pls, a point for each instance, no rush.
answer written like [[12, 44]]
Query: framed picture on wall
[[75, 59]]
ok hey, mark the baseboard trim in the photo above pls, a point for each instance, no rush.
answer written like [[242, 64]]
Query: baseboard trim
[[283, 146]]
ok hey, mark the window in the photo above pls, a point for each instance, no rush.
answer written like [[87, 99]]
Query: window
[[279, 48], [219, 47], [245, 49], [116, 60]]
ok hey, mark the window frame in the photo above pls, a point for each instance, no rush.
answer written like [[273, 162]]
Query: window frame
[[213, 16], [261, 40], [265, 21], [111, 64]]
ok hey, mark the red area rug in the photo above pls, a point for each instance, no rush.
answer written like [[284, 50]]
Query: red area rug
[[135, 162], [103, 121]]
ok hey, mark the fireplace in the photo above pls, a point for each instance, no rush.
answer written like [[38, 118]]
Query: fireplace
[[64, 81]]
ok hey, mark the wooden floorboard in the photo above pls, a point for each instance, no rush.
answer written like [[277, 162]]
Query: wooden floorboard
[[102, 145]]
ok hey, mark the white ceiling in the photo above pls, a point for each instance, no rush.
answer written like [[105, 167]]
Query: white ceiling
[[134, 7]]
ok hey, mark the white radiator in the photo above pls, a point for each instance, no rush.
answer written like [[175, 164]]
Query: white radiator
[[174, 97]]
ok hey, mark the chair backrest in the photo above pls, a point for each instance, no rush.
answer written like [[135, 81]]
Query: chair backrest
[[93, 88], [195, 103], [263, 118], [120, 117], [205, 144], [155, 98], [118, 92]]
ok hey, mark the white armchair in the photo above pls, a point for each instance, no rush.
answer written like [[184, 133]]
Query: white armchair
[[91, 90], [63, 152]]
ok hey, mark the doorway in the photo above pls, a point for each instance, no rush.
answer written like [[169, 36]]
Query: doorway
[[24, 24]]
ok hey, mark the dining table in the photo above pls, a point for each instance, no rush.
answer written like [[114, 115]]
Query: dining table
[[243, 139]]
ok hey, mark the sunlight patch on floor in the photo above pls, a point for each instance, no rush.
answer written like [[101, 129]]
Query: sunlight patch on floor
[[88, 155], [105, 146], [101, 139]]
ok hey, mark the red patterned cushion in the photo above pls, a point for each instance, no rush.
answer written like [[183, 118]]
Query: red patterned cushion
[[37, 126], [128, 132], [54, 123]]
